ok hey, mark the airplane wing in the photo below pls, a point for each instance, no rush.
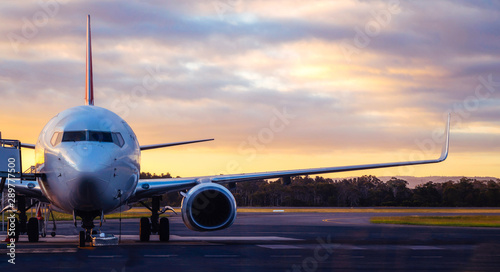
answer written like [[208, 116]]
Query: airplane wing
[[30, 146], [29, 188], [151, 187], [146, 147]]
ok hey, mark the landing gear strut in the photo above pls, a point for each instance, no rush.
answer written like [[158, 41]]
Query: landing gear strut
[[154, 225], [155, 208], [21, 207], [87, 225]]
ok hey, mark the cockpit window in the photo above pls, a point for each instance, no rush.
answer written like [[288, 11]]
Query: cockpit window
[[86, 135], [100, 136], [74, 136], [56, 138], [118, 139]]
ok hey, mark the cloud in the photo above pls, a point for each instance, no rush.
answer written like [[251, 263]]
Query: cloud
[[221, 73]]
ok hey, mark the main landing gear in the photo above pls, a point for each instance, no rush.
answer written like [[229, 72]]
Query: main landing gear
[[155, 225], [35, 226]]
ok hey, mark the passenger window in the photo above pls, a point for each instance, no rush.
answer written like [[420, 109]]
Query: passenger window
[[118, 139], [74, 136]]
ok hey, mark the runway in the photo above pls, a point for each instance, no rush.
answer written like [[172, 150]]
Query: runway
[[270, 242]]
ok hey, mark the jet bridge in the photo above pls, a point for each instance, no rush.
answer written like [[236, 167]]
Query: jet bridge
[[11, 163], [10, 167], [10, 159]]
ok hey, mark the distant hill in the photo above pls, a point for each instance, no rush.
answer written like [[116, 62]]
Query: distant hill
[[414, 181]]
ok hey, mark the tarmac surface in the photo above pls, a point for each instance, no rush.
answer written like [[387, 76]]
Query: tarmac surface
[[269, 242]]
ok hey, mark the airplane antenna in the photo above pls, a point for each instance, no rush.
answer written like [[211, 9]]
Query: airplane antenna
[[89, 82]]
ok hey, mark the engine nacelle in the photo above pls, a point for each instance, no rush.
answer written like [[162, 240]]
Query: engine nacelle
[[208, 207]]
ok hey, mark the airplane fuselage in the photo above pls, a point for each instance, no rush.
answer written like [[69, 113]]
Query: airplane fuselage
[[89, 159]]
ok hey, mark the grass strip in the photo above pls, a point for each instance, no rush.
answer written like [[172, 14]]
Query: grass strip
[[370, 210], [125, 215], [492, 221]]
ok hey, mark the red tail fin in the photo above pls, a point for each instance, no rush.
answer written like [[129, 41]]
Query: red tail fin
[[89, 82]]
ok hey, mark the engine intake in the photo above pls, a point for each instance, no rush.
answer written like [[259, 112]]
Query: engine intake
[[208, 207]]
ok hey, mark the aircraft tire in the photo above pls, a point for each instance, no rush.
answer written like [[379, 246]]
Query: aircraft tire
[[164, 230], [82, 239], [144, 229], [16, 229], [32, 230]]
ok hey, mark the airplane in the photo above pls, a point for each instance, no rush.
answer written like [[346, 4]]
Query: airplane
[[87, 163]]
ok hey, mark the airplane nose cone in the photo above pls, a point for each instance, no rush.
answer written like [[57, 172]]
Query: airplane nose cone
[[90, 158], [92, 169], [92, 184]]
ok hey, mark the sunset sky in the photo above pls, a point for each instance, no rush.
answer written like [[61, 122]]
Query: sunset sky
[[279, 84]]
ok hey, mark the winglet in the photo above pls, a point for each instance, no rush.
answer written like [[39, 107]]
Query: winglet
[[444, 152], [89, 82]]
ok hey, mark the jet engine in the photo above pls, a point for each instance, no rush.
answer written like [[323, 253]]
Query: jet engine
[[208, 207]]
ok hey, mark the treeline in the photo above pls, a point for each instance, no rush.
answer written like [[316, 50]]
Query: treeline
[[147, 175], [365, 191], [368, 191]]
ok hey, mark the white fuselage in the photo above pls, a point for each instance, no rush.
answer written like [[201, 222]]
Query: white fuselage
[[89, 159]]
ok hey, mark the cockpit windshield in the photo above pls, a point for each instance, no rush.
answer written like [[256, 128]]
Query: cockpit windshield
[[89, 136], [74, 136], [100, 136]]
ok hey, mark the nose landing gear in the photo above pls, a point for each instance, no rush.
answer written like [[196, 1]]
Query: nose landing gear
[[87, 225]]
